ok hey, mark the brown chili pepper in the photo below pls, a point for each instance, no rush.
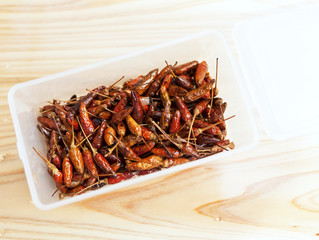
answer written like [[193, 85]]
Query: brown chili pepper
[[185, 113], [221, 145], [63, 189], [200, 107], [45, 109], [148, 134], [96, 122], [185, 82], [53, 143], [174, 161], [133, 126], [153, 162], [174, 90], [79, 136], [130, 140], [153, 159], [80, 177], [166, 101], [202, 124], [190, 150], [87, 100], [207, 112], [218, 112], [120, 116], [157, 81], [62, 115], [207, 139], [89, 163], [67, 170], [208, 93], [97, 109], [112, 158], [166, 82], [166, 114], [143, 85], [48, 122], [170, 152], [98, 138], [56, 160], [141, 149], [76, 157], [137, 113], [102, 163], [115, 166], [109, 134], [85, 120], [198, 93], [165, 118], [75, 183], [89, 182], [147, 163], [184, 133], [222, 125], [72, 191], [121, 129], [175, 122], [182, 69], [218, 101], [155, 114], [44, 131], [200, 74], [71, 119], [127, 151], [105, 115], [122, 103], [121, 177], [129, 84], [55, 173]]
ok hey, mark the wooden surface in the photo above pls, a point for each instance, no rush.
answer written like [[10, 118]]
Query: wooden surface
[[270, 192]]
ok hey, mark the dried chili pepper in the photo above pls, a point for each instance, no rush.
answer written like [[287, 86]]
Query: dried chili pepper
[[182, 69], [157, 81], [135, 129], [201, 71]]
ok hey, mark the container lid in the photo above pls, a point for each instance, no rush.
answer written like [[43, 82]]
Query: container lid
[[279, 57]]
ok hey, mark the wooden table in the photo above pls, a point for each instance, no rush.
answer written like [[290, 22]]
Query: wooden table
[[270, 192]]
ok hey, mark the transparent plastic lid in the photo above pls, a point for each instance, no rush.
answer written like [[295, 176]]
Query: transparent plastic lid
[[279, 57]]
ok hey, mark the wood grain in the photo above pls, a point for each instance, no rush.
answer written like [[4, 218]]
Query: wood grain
[[269, 192]]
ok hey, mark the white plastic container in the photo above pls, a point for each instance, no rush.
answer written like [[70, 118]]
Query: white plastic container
[[26, 98]]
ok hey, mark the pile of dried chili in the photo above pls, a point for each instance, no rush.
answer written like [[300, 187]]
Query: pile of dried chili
[[152, 122]]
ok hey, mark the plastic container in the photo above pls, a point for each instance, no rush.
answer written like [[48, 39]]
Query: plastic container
[[26, 98]]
